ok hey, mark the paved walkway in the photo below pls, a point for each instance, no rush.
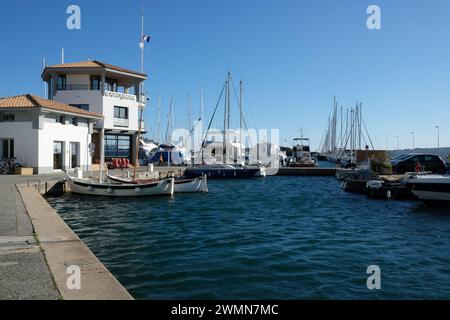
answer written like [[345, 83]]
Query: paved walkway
[[24, 273]]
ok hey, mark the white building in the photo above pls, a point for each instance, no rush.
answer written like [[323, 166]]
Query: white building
[[45, 135], [102, 88]]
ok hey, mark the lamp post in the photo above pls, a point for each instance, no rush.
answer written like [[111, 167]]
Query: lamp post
[[413, 136], [387, 143], [437, 127]]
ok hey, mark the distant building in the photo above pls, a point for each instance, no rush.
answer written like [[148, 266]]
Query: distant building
[[45, 135], [111, 91]]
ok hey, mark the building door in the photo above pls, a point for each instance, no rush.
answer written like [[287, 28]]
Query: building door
[[57, 155], [74, 155], [7, 148]]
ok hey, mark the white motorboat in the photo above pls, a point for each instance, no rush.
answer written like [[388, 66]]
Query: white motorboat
[[89, 187], [430, 187]]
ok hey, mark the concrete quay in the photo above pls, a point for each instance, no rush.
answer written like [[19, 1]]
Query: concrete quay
[[38, 250]]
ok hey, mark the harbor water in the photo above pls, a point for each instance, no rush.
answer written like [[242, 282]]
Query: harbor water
[[268, 238]]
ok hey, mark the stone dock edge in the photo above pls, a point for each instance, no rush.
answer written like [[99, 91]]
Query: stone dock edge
[[66, 253]]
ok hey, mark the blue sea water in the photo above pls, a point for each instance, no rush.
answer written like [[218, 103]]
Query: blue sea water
[[271, 238]]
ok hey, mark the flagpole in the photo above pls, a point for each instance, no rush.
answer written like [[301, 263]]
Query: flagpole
[[140, 109], [143, 45]]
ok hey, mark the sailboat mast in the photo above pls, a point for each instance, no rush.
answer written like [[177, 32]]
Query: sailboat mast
[[240, 119], [225, 121], [159, 118]]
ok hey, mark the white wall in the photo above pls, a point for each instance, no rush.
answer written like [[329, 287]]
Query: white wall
[[91, 97], [67, 133], [102, 105], [25, 141], [108, 112]]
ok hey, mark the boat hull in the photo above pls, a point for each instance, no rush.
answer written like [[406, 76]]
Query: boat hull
[[164, 187], [431, 189], [199, 184], [222, 173], [191, 185]]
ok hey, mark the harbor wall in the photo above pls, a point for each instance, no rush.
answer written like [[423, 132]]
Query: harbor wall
[[68, 256]]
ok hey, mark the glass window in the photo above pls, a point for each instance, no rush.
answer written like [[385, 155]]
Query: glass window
[[7, 117], [62, 82], [7, 148], [120, 112], [117, 146], [60, 119], [73, 121], [57, 155], [110, 84], [81, 106], [95, 83]]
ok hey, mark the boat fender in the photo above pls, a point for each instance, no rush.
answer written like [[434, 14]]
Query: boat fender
[[90, 189], [137, 190], [388, 194], [374, 184], [109, 190]]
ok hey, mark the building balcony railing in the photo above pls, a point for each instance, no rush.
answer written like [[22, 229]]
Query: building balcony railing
[[107, 93], [81, 87], [120, 122]]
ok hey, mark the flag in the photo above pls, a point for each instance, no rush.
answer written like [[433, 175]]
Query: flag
[[144, 39]]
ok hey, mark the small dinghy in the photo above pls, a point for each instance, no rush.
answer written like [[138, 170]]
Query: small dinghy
[[181, 184], [117, 189]]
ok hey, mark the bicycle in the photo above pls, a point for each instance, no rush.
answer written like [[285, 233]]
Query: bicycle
[[8, 166]]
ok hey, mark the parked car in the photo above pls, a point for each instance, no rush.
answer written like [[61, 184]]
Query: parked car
[[428, 162]]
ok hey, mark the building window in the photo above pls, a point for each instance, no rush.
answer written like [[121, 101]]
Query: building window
[[95, 83], [117, 146], [120, 112], [110, 84], [7, 117], [74, 154], [58, 154], [80, 106], [7, 148], [73, 121], [60, 119], [62, 82]]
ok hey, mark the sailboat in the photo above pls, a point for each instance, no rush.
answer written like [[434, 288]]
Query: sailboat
[[225, 171]]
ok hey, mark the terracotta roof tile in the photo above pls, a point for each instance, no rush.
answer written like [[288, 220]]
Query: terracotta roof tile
[[93, 64], [30, 101]]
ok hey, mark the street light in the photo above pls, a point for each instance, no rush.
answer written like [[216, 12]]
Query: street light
[[437, 127], [413, 134], [387, 143], [398, 142]]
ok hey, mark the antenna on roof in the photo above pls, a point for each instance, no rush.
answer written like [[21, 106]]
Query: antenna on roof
[[62, 56], [44, 65]]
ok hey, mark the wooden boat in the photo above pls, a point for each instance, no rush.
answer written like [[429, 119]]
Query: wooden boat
[[181, 184], [88, 187]]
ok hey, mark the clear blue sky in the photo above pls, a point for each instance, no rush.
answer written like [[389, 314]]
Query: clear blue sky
[[293, 57]]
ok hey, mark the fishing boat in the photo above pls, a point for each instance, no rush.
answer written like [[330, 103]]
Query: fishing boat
[[120, 189], [181, 184], [430, 187], [301, 154]]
